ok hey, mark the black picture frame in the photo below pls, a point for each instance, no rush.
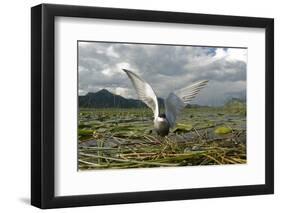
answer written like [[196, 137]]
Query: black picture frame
[[43, 102]]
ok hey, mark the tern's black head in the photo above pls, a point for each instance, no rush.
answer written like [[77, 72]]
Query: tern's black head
[[162, 115]]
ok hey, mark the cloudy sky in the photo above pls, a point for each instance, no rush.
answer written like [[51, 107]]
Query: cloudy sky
[[166, 68]]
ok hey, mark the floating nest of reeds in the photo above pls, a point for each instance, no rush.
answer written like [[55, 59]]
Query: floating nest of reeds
[[154, 151]]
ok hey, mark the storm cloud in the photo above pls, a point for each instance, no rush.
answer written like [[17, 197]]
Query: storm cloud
[[164, 67]]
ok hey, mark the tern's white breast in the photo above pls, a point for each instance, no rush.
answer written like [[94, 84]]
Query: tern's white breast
[[160, 123]]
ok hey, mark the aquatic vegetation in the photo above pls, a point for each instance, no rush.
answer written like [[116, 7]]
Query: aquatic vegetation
[[223, 130], [114, 138]]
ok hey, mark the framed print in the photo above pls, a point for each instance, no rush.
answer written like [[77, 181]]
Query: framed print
[[139, 106]]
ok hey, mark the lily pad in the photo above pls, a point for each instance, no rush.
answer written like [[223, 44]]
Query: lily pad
[[84, 132], [222, 130], [182, 128]]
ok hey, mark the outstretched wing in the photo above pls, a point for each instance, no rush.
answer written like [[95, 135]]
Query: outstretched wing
[[173, 106], [189, 92], [144, 91], [177, 100]]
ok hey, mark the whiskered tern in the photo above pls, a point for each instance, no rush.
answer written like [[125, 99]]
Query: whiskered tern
[[174, 103]]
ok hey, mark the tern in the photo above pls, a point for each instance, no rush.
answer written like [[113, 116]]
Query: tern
[[174, 103]]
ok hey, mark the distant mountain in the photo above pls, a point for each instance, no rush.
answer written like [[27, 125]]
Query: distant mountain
[[106, 99], [235, 102], [194, 106], [241, 96]]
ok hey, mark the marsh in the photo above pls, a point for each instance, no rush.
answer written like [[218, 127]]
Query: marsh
[[124, 138]]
